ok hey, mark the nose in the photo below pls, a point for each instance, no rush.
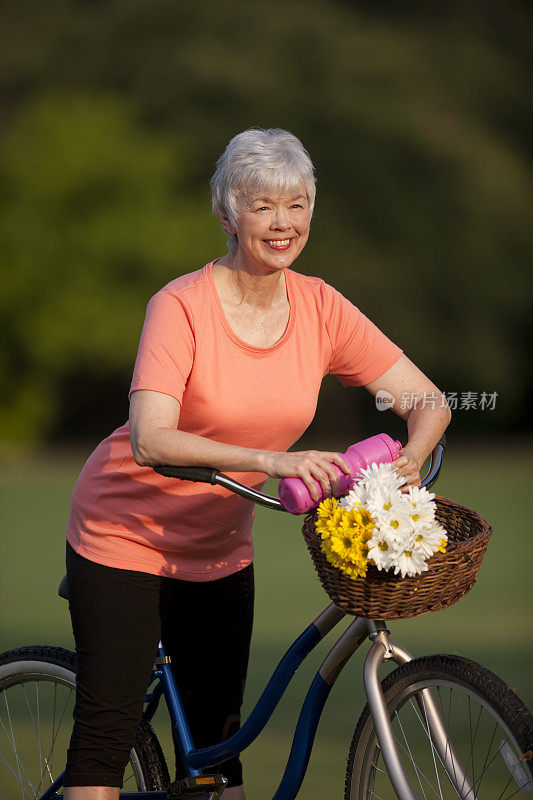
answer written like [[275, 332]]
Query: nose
[[280, 219]]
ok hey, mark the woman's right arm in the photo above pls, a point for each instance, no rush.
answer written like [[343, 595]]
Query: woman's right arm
[[155, 439]]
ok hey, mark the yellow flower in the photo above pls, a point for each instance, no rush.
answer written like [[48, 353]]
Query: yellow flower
[[327, 507], [361, 518], [354, 570], [335, 519], [341, 543], [366, 518], [344, 536]]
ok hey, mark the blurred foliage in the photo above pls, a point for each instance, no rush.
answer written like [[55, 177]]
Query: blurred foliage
[[418, 121], [94, 223]]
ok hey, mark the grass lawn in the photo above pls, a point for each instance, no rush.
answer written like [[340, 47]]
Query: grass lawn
[[492, 624]]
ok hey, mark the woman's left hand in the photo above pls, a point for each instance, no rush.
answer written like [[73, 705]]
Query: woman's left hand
[[407, 466]]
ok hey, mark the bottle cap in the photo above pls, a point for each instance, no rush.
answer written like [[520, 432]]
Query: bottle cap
[[393, 445]]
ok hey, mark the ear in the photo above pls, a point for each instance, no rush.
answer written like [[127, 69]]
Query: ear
[[226, 224]]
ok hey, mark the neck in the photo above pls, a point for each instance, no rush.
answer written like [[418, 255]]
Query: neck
[[251, 286]]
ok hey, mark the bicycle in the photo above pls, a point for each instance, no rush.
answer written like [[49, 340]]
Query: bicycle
[[437, 726]]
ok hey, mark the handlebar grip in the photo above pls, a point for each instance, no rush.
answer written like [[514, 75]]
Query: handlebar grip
[[197, 474]]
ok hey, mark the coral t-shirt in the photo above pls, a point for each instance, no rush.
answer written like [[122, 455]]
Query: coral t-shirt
[[127, 516]]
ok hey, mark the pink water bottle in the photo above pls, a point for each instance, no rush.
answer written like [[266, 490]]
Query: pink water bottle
[[380, 449]]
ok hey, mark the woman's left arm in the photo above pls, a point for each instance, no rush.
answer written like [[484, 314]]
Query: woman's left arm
[[414, 398]]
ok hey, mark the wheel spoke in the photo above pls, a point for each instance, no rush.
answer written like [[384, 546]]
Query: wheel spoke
[[485, 763], [53, 729], [11, 738], [13, 744], [432, 747], [33, 729], [51, 751], [38, 733], [39, 724], [509, 796], [491, 762], [417, 771], [449, 752], [503, 790], [26, 789], [472, 739], [475, 712]]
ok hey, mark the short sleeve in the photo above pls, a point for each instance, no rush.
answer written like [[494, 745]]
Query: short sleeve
[[360, 351], [166, 349]]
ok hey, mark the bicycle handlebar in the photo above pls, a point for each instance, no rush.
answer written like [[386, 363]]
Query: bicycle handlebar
[[196, 474], [214, 477]]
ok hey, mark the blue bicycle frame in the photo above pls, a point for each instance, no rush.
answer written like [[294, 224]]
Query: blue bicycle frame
[[195, 760]]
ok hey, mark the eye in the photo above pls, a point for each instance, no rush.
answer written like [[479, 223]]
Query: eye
[[262, 208], [297, 205]]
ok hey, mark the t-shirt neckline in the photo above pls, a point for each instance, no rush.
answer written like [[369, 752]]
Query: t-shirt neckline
[[227, 327]]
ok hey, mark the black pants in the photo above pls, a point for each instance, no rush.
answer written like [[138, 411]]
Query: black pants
[[118, 617]]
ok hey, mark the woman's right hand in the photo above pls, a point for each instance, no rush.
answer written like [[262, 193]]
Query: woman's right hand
[[310, 466]]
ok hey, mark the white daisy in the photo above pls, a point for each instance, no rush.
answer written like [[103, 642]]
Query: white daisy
[[394, 522], [409, 560], [422, 504], [380, 551], [382, 498], [379, 475], [355, 497], [431, 539], [427, 540]]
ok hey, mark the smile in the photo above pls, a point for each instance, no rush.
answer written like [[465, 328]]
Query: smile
[[278, 244]]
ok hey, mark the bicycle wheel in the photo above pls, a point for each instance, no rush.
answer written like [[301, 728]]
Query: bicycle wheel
[[37, 692], [487, 725]]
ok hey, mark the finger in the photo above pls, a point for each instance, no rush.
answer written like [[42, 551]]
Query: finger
[[409, 481], [311, 475], [405, 488], [333, 478], [311, 485], [337, 459], [400, 462], [413, 479], [326, 464], [409, 469], [323, 478], [407, 466], [403, 471], [325, 483]]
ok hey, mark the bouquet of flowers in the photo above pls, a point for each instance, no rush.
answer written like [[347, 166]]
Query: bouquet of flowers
[[375, 523]]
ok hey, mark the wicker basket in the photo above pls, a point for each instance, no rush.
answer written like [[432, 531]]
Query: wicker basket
[[382, 595]]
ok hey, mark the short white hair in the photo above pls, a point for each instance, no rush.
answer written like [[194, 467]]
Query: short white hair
[[260, 160]]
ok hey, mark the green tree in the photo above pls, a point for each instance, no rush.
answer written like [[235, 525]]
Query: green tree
[[418, 119], [94, 221]]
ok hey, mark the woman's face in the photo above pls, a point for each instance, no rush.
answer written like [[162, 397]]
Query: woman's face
[[271, 230]]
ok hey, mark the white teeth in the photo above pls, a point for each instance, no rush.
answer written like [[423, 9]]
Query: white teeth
[[279, 242]]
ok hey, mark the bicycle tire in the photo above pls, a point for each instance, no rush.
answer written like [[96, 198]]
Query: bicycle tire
[[488, 725], [37, 690]]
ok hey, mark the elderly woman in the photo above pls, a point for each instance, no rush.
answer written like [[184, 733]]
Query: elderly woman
[[229, 367]]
